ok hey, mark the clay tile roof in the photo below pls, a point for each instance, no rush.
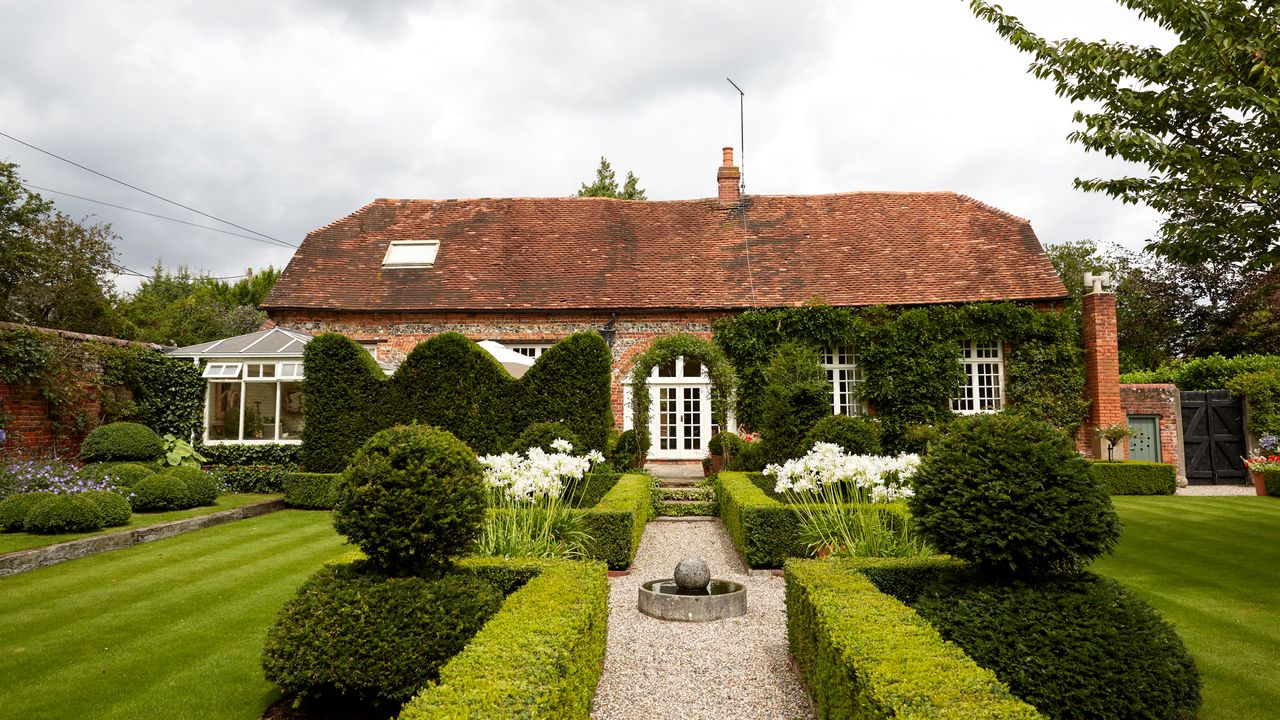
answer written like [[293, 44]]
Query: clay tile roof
[[514, 254]]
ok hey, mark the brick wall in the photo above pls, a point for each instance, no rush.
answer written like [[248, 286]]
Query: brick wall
[[1163, 401], [1102, 373], [29, 429]]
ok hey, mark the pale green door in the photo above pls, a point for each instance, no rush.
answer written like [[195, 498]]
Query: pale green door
[[1144, 443]]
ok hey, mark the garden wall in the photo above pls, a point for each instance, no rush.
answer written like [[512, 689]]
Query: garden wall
[[1163, 401], [48, 404]]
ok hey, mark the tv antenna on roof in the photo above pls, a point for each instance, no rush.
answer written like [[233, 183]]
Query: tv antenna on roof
[[742, 139]]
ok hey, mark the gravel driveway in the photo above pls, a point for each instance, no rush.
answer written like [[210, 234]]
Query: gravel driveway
[[735, 668]]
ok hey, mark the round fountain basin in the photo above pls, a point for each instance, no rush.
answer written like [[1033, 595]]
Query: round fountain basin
[[663, 599]]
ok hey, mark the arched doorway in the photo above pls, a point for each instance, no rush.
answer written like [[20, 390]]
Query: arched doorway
[[678, 397]]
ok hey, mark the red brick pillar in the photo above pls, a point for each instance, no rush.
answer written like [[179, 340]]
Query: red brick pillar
[[1102, 372]]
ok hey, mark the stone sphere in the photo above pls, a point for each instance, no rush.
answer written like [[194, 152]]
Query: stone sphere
[[692, 574]]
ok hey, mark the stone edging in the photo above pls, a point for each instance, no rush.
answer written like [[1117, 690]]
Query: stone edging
[[24, 560]]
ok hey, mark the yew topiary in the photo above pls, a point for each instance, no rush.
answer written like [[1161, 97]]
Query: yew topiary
[[113, 506], [121, 441], [160, 492], [1012, 496], [63, 514], [202, 488], [413, 499]]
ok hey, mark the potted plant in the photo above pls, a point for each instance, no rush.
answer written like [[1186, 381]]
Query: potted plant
[[1113, 434], [715, 462], [1263, 461]]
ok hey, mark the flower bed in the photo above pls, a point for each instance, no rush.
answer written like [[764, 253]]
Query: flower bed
[[864, 654], [540, 656]]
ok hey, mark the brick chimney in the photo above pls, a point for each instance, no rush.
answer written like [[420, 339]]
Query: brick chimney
[[729, 177], [1101, 368]]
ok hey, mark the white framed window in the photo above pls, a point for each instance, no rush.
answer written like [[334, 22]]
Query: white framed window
[[533, 350], [845, 375], [983, 388], [260, 371], [371, 347], [411, 254], [221, 371], [290, 370]]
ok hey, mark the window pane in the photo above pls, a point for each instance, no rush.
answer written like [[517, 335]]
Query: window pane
[[222, 416], [692, 419], [692, 369], [410, 254], [667, 369], [260, 411], [291, 411]]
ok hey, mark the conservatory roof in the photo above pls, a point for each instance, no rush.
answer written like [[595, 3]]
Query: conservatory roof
[[276, 342]]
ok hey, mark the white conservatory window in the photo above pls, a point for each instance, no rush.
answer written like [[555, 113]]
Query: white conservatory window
[[411, 254], [983, 387], [845, 375], [533, 351], [265, 405]]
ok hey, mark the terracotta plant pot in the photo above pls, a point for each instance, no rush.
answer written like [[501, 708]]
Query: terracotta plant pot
[[717, 463], [1259, 485]]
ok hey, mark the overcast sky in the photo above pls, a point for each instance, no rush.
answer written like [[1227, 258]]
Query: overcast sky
[[283, 116]]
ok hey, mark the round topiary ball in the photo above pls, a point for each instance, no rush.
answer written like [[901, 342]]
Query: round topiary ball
[[121, 441], [63, 514], [14, 509], [856, 435], [541, 435], [1012, 496], [202, 489], [120, 474], [373, 638], [160, 492], [413, 499], [114, 507]]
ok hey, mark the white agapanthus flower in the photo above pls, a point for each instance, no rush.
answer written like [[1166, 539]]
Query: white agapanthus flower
[[538, 474], [884, 477]]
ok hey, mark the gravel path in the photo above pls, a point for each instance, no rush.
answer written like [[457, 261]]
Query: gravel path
[[1217, 490], [735, 668]]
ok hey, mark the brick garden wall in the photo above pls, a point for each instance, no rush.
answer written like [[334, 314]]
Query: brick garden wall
[[1163, 401], [29, 429]]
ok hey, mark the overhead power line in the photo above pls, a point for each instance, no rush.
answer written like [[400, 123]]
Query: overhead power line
[[145, 192], [122, 270], [29, 186]]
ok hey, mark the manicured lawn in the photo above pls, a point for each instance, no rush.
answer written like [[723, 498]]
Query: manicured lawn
[[11, 542], [170, 629], [1211, 565]]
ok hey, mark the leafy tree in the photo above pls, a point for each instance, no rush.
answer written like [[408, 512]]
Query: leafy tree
[[181, 308], [1203, 117], [20, 213], [606, 185]]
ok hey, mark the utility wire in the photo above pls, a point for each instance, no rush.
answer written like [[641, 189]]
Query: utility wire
[[122, 270], [29, 186], [145, 192]]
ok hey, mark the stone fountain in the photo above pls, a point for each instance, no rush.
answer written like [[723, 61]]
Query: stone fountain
[[692, 595]]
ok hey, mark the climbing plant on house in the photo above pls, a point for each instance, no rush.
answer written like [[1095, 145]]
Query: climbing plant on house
[[667, 349]]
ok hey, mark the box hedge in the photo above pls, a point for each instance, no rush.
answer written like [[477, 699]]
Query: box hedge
[[865, 654], [617, 521], [1135, 477], [256, 454], [1272, 480], [311, 491], [450, 382], [540, 656], [251, 478], [121, 441]]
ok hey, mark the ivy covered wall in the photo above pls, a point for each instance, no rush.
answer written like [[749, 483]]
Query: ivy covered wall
[[910, 357]]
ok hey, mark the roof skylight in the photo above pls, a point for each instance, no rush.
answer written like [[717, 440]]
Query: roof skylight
[[411, 254]]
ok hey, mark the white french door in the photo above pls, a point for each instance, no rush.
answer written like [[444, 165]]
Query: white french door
[[680, 416]]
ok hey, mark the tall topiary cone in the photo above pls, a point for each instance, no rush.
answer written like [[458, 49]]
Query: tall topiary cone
[[413, 499]]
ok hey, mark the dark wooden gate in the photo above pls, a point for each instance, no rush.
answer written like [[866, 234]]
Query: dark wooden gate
[[1213, 438]]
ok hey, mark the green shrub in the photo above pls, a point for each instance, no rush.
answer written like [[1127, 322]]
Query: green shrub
[[451, 383], [202, 488], [592, 488], [1262, 391], [1013, 496], [796, 396], [311, 491], [347, 401], [120, 474], [864, 654], [63, 514], [1271, 478], [765, 531], [113, 506], [616, 523], [258, 454], [570, 384], [747, 456], [413, 499], [538, 658], [1075, 647], [857, 435], [1135, 477], [372, 638], [14, 509], [251, 478], [625, 453], [160, 492], [541, 435], [121, 441]]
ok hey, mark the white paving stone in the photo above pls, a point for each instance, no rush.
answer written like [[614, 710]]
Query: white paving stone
[[735, 668]]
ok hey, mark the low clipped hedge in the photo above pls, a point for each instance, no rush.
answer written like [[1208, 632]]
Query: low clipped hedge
[[252, 478], [1272, 480], [540, 656], [1135, 477], [864, 654], [617, 521], [591, 489], [311, 491], [765, 530]]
